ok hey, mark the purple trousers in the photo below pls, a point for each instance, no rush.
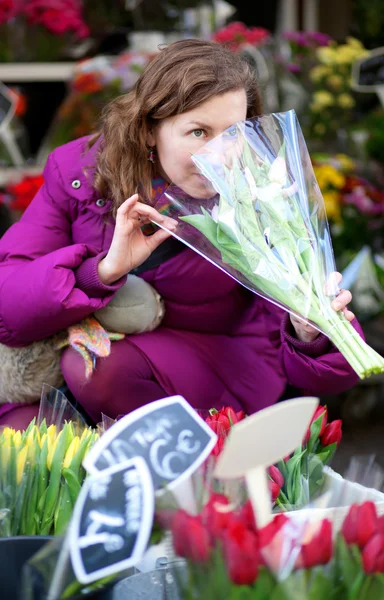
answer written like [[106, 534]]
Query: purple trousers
[[120, 383]]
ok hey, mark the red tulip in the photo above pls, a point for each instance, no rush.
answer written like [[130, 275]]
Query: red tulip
[[373, 554], [216, 517], [240, 546], [321, 411], [248, 516], [275, 489], [332, 433], [226, 417], [276, 475], [360, 524], [318, 551], [190, 537], [267, 533]]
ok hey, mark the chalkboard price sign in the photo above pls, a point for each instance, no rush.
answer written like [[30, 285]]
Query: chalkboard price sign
[[368, 73], [112, 521], [168, 434]]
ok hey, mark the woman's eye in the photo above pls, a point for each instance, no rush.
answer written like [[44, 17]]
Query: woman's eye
[[232, 132], [198, 133]]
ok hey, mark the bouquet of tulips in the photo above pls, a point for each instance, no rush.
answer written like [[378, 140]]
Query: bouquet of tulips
[[41, 470], [257, 213], [298, 479], [229, 557], [40, 477]]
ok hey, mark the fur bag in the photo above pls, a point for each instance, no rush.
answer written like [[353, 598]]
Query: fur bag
[[135, 308]]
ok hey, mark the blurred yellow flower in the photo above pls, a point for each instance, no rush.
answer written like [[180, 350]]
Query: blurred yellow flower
[[332, 205], [346, 162], [345, 101], [321, 99], [335, 82], [319, 72], [351, 41], [328, 177], [327, 54], [345, 55]]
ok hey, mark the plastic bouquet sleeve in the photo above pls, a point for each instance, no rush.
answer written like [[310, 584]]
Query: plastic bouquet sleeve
[[251, 205]]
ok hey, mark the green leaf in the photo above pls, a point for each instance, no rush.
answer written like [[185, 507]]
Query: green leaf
[[63, 512], [348, 562], [52, 497], [72, 483], [315, 432], [321, 586], [326, 454]]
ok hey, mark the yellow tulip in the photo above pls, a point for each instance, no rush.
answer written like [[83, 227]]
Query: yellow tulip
[[32, 436], [52, 444], [17, 439], [72, 449], [8, 433], [5, 452], [42, 440], [20, 463]]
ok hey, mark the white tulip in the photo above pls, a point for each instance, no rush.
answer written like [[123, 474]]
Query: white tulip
[[215, 213], [278, 171]]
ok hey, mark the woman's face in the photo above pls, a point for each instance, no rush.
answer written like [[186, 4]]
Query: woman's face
[[177, 138]]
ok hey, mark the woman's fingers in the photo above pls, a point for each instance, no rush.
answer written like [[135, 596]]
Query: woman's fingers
[[342, 300], [143, 213], [349, 315], [153, 241], [148, 213], [332, 285], [127, 205]]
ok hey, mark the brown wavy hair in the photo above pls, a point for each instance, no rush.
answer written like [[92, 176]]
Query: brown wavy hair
[[179, 78]]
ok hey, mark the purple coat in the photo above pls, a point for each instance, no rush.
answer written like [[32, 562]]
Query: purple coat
[[49, 280]]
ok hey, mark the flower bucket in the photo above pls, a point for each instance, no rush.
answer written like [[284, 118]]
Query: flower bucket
[[339, 495], [154, 585], [14, 553]]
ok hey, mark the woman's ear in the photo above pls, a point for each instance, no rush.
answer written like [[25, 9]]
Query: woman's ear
[[151, 140]]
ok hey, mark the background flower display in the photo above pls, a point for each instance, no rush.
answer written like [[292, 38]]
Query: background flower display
[[332, 101], [237, 35], [17, 196], [36, 30], [354, 203], [298, 51], [96, 82]]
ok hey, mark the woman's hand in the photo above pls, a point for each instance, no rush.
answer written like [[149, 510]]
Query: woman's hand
[[130, 247], [307, 333]]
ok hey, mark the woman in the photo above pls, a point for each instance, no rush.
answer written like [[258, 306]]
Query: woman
[[218, 344]]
